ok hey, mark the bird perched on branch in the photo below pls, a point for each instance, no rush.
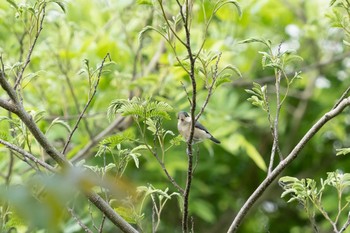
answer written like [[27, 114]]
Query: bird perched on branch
[[200, 132]]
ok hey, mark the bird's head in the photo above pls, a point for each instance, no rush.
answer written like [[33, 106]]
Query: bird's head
[[183, 117]]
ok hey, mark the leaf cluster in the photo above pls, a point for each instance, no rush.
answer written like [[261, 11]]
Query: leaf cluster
[[310, 195], [139, 108]]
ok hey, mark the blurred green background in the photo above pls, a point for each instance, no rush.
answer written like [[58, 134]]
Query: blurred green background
[[226, 174]]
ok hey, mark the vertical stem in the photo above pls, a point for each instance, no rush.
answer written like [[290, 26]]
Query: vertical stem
[[275, 122], [185, 219]]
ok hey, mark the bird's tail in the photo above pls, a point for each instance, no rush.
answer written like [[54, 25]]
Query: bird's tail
[[215, 140]]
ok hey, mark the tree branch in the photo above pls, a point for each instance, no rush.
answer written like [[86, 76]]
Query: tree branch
[[185, 217], [8, 106], [86, 105], [284, 163], [27, 155]]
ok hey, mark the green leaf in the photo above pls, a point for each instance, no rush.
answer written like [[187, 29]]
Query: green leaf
[[343, 151], [60, 4], [232, 68], [204, 210], [142, 108], [12, 3], [114, 140], [37, 116], [135, 156], [149, 28], [109, 167], [176, 140], [145, 2], [243, 144], [256, 40], [114, 107], [332, 2], [151, 126], [258, 97], [138, 148], [347, 43], [127, 214], [222, 80], [221, 3], [288, 179], [254, 155], [57, 121]]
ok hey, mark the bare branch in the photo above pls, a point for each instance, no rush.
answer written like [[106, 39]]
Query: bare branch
[[171, 179], [86, 105], [27, 61], [187, 94], [284, 163]]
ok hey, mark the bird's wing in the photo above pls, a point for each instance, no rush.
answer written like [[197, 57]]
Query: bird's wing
[[200, 126]]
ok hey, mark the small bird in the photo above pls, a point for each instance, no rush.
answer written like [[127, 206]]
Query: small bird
[[200, 132]]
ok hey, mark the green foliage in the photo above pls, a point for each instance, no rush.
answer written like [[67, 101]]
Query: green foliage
[[62, 73], [340, 17], [311, 196], [139, 108], [343, 151], [259, 96], [158, 198]]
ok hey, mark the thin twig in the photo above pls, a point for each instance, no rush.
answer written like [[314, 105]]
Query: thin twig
[[169, 26], [275, 122], [100, 230], [75, 99], [187, 94], [92, 217], [171, 179], [81, 224], [346, 92], [86, 105], [9, 169], [31, 49], [210, 90], [346, 224], [283, 164], [154, 211]]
